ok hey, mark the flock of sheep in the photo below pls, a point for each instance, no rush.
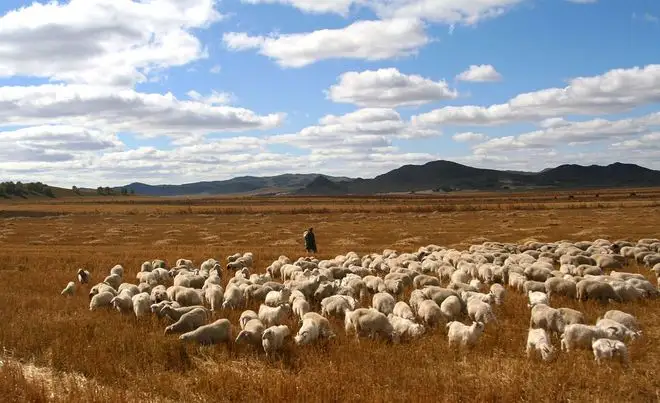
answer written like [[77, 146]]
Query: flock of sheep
[[313, 290]]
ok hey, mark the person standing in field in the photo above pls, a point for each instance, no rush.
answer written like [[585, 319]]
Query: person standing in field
[[310, 240]]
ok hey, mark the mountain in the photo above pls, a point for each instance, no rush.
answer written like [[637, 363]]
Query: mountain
[[446, 176], [249, 185]]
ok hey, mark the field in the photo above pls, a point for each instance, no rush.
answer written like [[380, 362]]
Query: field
[[55, 349]]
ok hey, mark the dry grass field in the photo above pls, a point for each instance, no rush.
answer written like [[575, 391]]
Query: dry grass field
[[55, 349]]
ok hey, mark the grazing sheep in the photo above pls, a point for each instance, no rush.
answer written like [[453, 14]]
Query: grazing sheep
[[70, 289], [536, 297], [313, 326], [402, 310], [560, 286], [617, 330], [188, 322], [451, 307], [571, 316], [275, 298], [247, 316], [406, 328], [214, 296], [273, 338], [83, 276], [113, 280], [128, 288], [480, 311], [337, 305], [232, 297], [214, 333], [101, 300], [251, 332], [593, 289], [538, 339], [300, 307], [530, 285], [624, 318], [429, 313], [174, 313], [498, 292], [423, 280], [604, 348], [545, 317], [369, 322], [383, 302], [272, 316], [123, 302], [141, 304], [580, 336], [463, 335]]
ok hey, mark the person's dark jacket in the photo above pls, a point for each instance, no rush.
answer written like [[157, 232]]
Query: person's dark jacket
[[310, 241]]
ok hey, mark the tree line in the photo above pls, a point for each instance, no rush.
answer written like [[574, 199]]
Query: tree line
[[21, 189]]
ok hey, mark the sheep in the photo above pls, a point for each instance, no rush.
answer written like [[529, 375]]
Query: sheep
[[383, 302], [592, 289], [273, 338], [174, 313], [617, 330], [214, 296], [300, 307], [123, 302], [130, 289], [539, 340], [232, 297], [451, 307], [498, 292], [487, 298], [214, 333], [273, 316], [531, 285], [337, 305], [101, 300], [185, 296], [313, 326], [275, 298], [609, 348], [429, 313], [480, 311], [70, 289], [580, 336], [571, 316], [371, 322], [83, 276], [251, 332], [463, 335], [113, 280], [402, 310], [423, 280], [536, 297], [188, 322], [550, 319], [624, 318], [406, 327], [141, 304], [560, 286], [158, 294], [157, 307], [247, 316]]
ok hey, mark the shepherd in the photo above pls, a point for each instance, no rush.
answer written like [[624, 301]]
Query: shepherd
[[310, 240]]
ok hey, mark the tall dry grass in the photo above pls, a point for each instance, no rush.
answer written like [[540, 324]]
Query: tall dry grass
[[131, 360]]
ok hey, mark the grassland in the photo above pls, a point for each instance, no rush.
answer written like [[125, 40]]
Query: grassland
[[43, 242]]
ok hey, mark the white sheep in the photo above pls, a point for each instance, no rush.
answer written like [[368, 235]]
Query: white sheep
[[337, 305], [617, 330], [117, 270], [101, 300], [70, 289], [383, 302], [429, 313], [605, 348], [313, 326], [188, 322], [545, 317], [275, 298], [273, 338], [580, 336], [624, 318], [216, 332], [251, 332], [369, 322], [123, 302], [214, 295], [272, 316], [113, 280], [406, 327], [480, 311], [233, 297], [141, 304], [451, 307], [129, 289], [499, 292], [463, 335], [300, 307], [538, 340], [402, 310], [537, 297], [571, 316], [247, 316], [174, 313]]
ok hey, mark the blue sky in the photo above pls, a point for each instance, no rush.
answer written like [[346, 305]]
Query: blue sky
[[164, 91]]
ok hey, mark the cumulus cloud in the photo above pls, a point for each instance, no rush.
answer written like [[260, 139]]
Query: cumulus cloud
[[124, 110], [468, 137], [646, 142], [366, 40], [341, 7], [215, 98], [388, 88], [466, 12], [103, 41], [617, 90], [479, 74]]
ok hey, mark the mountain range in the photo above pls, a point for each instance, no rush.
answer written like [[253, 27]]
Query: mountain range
[[435, 176]]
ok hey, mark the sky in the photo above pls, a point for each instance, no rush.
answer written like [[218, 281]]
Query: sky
[[109, 92]]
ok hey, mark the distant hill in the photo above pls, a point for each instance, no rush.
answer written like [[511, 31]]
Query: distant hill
[[448, 176], [248, 185]]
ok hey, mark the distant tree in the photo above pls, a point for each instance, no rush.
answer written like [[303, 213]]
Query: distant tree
[[48, 191], [75, 190], [124, 192], [107, 191], [100, 190], [132, 191]]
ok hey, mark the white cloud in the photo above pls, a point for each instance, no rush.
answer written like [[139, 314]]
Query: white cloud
[[466, 12], [215, 98], [468, 137], [388, 88], [645, 142], [102, 41], [367, 40], [215, 69], [123, 110], [617, 90], [480, 73], [341, 7], [651, 18]]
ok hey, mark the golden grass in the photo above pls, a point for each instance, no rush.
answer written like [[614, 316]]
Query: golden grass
[[123, 359]]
